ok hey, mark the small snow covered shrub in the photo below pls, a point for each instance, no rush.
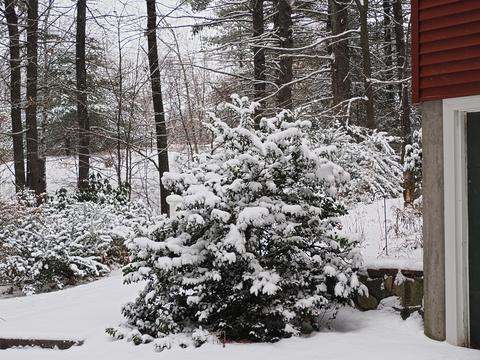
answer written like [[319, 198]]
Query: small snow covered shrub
[[98, 190], [367, 155], [17, 207], [251, 253], [413, 159], [50, 246]]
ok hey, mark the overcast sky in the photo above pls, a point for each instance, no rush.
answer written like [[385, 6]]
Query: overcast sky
[[103, 16]]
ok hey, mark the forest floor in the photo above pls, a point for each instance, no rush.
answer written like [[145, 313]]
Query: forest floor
[[83, 313]]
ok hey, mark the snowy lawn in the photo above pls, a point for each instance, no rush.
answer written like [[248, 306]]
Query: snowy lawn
[[83, 312]]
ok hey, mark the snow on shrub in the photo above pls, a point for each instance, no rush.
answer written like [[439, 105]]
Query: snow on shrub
[[97, 190], [414, 159], [62, 242], [251, 253], [367, 155]]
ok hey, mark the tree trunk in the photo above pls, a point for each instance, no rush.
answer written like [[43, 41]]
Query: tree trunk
[[45, 80], [82, 109], [120, 109], [370, 121], [160, 125], [35, 162], [284, 31], [401, 53], [387, 34], [191, 116], [400, 46], [341, 84], [15, 94], [259, 67]]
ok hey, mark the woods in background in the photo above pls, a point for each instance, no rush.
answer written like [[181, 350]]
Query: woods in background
[[72, 90]]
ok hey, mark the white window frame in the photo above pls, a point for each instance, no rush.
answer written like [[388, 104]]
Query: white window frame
[[456, 217]]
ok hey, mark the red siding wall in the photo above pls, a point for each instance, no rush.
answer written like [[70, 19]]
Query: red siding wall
[[445, 49]]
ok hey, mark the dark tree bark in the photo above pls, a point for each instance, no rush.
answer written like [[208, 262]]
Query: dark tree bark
[[362, 6], [15, 94], [120, 110], [259, 67], [387, 33], [283, 24], [35, 162], [82, 109], [400, 46], [160, 126], [401, 54], [341, 84]]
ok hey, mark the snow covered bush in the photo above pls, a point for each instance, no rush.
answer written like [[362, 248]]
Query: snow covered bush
[[16, 207], [413, 159], [367, 155], [251, 253], [98, 190], [50, 246]]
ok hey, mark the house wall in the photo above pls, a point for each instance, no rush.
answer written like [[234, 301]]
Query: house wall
[[433, 220], [445, 49]]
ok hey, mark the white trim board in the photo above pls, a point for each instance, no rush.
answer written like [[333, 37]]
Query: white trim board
[[456, 217]]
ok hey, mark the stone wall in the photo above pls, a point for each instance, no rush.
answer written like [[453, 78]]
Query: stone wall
[[407, 285]]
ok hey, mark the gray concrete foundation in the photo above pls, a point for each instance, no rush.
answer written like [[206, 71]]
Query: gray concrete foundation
[[433, 220]]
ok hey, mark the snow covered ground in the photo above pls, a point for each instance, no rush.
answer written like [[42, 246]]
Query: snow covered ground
[[83, 312], [62, 172], [366, 223]]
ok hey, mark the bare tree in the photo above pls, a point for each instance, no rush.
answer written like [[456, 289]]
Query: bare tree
[[259, 67], [341, 84], [370, 120], [119, 97], [387, 35], [160, 125], [36, 177], [401, 49], [45, 88], [82, 109], [189, 97], [283, 24], [15, 94]]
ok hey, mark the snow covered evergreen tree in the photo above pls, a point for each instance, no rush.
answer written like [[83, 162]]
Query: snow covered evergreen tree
[[251, 253]]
